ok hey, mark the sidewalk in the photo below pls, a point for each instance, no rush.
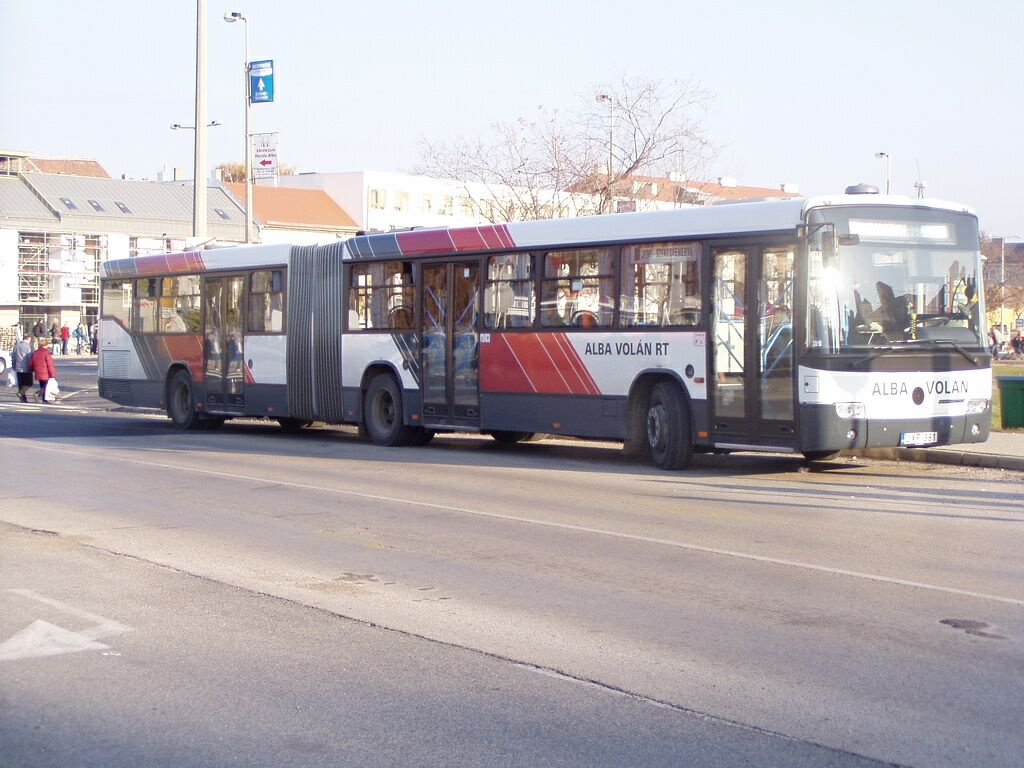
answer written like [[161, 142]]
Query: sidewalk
[[1002, 450]]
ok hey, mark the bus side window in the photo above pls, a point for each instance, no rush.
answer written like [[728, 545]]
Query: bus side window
[[577, 288], [144, 310], [508, 292], [660, 285], [266, 301], [381, 296]]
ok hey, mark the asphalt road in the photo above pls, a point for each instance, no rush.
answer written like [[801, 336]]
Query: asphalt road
[[249, 597]]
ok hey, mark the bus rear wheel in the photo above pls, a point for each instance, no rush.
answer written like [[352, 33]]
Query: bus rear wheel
[[668, 427], [383, 413], [181, 403]]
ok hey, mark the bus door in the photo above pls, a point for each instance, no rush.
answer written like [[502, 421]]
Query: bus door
[[449, 354], [224, 350], [752, 380]]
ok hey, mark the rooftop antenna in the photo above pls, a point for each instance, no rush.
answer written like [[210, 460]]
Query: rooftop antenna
[[919, 185]]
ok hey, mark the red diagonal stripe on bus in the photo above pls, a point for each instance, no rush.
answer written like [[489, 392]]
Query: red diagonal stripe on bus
[[495, 236], [467, 239], [501, 370], [425, 241], [566, 362], [578, 365], [534, 359]]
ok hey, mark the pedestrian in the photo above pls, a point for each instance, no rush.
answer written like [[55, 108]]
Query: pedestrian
[[995, 337], [94, 337], [65, 338], [79, 335], [38, 329], [43, 367], [54, 336], [21, 360]]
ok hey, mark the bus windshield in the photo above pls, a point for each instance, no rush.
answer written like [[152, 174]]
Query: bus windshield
[[883, 276]]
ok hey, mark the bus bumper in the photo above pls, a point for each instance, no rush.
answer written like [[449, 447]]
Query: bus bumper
[[823, 430]]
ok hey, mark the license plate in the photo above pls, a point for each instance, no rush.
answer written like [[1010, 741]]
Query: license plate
[[918, 438]]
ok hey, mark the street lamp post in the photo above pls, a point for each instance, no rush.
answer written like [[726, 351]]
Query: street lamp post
[[231, 17], [199, 152], [888, 168], [611, 142], [196, 170]]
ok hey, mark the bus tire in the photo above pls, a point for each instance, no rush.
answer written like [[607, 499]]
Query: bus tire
[[508, 437], [181, 402], [383, 412], [668, 427]]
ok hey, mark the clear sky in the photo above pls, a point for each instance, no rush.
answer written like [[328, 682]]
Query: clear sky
[[805, 92]]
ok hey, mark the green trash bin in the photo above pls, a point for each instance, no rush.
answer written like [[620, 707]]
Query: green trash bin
[[1011, 396]]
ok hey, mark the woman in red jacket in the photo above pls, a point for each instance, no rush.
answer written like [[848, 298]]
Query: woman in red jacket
[[43, 367]]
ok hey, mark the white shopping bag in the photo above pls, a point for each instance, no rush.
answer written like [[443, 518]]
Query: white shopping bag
[[51, 392], [12, 379]]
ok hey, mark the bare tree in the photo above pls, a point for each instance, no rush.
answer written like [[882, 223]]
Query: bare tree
[[569, 165]]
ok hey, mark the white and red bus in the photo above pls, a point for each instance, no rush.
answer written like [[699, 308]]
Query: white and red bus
[[806, 325]]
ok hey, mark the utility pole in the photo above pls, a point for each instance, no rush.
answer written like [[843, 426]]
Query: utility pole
[[199, 154]]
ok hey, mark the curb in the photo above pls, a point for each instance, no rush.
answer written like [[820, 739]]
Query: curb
[[934, 456]]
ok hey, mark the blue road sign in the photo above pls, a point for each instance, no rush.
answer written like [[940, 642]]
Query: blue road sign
[[261, 81]]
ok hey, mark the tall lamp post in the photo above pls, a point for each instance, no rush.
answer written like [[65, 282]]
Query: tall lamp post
[[199, 153], [888, 168], [611, 141], [231, 17]]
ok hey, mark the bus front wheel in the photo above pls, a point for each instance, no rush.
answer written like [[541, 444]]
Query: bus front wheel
[[181, 404], [668, 427], [383, 413]]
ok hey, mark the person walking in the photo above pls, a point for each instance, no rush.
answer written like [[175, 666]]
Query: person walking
[[80, 339], [21, 360], [43, 367], [65, 338]]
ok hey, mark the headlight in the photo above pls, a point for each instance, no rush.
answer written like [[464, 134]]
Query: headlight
[[850, 410], [977, 406]]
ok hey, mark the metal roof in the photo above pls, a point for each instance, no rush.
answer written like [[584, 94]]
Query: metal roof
[[86, 203], [17, 203]]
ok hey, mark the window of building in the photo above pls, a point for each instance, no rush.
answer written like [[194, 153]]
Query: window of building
[[381, 296], [426, 204], [401, 201], [266, 301], [180, 305], [660, 284], [447, 206], [145, 306], [222, 213], [378, 199], [578, 288], [96, 206], [509, 300], [69, 203], [123, 208]]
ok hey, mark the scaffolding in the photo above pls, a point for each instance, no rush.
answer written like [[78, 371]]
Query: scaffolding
[[48, 263]]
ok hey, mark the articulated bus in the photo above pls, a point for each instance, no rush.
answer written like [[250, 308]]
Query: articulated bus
[[805, 325]]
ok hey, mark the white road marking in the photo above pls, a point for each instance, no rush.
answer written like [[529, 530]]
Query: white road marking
[[688, 546], [41, 638]]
